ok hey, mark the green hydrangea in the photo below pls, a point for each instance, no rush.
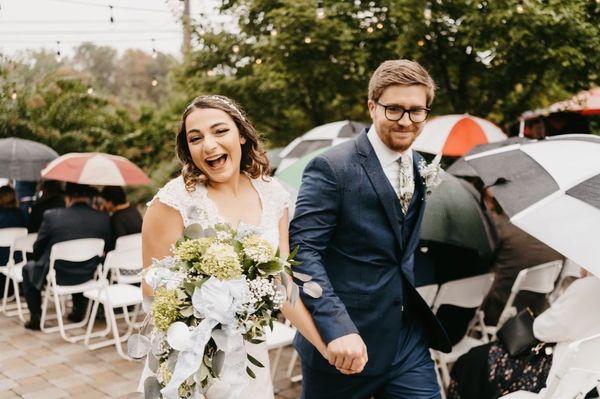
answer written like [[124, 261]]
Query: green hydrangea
[[165, 308], [257, 249], [221, 261], [192, 250]]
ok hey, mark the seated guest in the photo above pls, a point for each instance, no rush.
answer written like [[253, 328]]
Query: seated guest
[[516, 251], [125, 219], [10, 216], [10, 213], [78, 220], [50, 196], [489, 371]]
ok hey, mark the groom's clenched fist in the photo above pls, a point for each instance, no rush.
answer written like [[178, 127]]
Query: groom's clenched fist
[[348, 354]]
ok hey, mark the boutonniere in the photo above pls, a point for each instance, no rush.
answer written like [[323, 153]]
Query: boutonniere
[[431, 174]]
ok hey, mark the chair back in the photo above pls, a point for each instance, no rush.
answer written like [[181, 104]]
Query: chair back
[[76, 250], [428, 293], [540, 278], [465, 293], [578, 371], [25, 245], [7, 239], [118, 260], [130, 241]]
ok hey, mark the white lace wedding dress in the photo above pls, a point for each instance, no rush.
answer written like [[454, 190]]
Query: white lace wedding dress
[[196, 207]]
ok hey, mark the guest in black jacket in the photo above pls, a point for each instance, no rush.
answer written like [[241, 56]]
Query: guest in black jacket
[[50, 197], [125, 219], [10, 213], [78, 220]]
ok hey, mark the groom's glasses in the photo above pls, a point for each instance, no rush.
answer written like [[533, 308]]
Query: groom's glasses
[[394, 113]]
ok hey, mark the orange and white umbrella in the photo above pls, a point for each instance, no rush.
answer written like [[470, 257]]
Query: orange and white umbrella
[[455, 135], [95, 168]]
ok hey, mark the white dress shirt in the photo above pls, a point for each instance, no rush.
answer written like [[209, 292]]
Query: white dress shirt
[[388, 159]]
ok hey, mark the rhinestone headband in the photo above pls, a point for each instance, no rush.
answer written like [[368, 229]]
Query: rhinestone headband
[[226, 102]]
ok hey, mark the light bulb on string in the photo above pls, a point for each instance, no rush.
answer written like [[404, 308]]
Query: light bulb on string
[[379, 25], [236, 48], [90, 90], [58, 53], [421, 43], [520, 8], [258, 61], [154, 53], [112, 16], [320, 10], [307, 40], [370, 29], [154, 82], [274, 32], [14, 95]]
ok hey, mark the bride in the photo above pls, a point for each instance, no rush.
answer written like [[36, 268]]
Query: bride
[[224, 179]]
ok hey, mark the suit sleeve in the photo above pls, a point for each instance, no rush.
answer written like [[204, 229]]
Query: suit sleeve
[[43, 236], [315, 221]]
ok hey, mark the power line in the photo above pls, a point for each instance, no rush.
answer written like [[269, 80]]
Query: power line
[[92, 4]]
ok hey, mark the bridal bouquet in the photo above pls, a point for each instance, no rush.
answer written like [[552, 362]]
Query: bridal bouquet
[[219, 288]]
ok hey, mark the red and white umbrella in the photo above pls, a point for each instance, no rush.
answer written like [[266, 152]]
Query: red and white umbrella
[[95, 168], [455, 135]]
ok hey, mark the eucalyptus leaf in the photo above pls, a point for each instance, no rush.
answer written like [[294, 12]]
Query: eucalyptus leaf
[[194, 231], [250, 372], [188, 311], [255, 361], [152, 388], [312, 289]]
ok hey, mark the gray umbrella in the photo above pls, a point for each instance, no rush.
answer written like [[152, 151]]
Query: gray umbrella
[[462, 168], [23, 159]]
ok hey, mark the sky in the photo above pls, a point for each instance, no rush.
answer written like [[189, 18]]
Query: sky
[[33, 24]]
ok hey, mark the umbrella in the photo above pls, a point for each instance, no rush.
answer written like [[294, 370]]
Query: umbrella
[[454, 216], [551, 190], [292, 174], [320, 137], [23, 159], [460, 167], [585, 103], [96, 169], [455, 135]]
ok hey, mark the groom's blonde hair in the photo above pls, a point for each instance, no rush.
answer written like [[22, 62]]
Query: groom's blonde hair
[[400, 72]]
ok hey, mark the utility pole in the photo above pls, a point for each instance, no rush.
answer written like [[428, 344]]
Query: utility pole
[[187, 29]]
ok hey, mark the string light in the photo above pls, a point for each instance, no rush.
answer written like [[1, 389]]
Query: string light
[[370, 29], [154, 82], [112, 16], [58, 54], [90, 90], [14, 95], [380, 26], [520, 9], [274, 32], [154, 53], [307, 40], [236, 49], [258, 61], [421, 43], [320, 10]]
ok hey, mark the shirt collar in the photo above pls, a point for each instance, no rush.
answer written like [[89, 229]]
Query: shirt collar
[[385, 155]]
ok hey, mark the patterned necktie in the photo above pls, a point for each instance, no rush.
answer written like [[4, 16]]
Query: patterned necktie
[[406, 185]]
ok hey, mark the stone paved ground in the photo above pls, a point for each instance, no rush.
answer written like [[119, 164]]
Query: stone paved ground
[[35, 365]]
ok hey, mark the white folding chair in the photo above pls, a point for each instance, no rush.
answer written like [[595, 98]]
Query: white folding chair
[[14, 273], [112, 296], [130, 241], [7, 240], [577, 373], [428, 293], [281, 337], [464, 293], [539, 279], [74, 251]]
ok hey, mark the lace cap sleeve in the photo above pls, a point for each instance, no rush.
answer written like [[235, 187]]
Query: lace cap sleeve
[[172, 194], [281, 197]]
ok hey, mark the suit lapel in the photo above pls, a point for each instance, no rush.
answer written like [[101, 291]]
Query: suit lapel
[[380, 184], [419, 198]]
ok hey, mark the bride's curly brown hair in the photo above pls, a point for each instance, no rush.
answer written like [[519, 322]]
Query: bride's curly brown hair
[[254, 160]]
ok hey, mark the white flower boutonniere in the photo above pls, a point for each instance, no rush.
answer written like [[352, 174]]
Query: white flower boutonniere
[[431, 174]]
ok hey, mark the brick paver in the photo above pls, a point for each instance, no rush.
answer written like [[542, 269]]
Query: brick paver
[[37, 365]]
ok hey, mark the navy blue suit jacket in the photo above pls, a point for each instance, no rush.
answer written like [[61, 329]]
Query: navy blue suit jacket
[[357, 245]]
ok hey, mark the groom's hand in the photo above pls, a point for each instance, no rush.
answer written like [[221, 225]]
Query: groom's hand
[[348, 354]]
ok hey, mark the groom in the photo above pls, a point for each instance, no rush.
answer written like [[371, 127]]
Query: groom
[[357, 223]]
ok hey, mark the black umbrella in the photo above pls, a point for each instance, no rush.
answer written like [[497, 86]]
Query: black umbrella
[[23, 159]]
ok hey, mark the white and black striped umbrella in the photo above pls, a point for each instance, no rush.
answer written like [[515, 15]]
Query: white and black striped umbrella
[[550, 189]]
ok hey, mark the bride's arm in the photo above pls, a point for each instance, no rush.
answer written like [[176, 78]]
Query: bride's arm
[[162, 228], [298, 315]]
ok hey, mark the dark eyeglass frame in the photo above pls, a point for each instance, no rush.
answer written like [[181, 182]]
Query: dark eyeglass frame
[[404, 111]]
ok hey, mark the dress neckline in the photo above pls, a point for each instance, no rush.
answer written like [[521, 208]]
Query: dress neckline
[[241, 222]]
